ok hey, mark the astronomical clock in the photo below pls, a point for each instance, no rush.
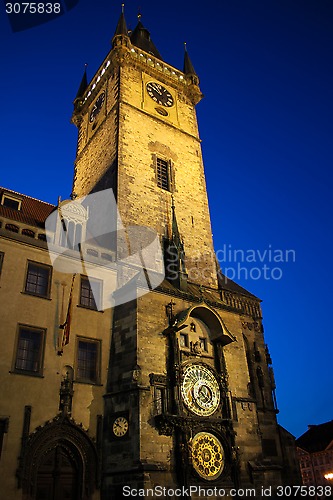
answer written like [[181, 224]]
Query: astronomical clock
[[197, 410]]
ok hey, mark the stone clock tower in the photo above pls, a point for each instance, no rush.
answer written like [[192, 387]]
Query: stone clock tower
[[189, 395]]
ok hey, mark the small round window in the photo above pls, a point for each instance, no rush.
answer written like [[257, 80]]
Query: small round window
[[162, 111]]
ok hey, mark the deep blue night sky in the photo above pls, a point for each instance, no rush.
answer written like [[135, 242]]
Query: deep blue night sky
[[265, 68]]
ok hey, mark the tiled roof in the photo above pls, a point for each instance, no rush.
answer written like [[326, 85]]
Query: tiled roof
[[317, 437], [33, 212], [141, 39], [209, 295], [229, 285]]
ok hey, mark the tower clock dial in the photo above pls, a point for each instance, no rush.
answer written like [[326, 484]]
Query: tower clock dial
[[97, 107], [159, 94], [200, 390], [207, 455], [120, 427]]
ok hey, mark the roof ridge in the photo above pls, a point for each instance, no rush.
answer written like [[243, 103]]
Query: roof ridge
[[27, 196]]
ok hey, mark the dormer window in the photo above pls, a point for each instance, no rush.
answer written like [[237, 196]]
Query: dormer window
[[11, 201]]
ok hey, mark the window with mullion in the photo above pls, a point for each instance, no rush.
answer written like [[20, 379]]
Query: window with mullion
[[90, 293], [163, 174], [38, 279], [29, 350], [88, 361]]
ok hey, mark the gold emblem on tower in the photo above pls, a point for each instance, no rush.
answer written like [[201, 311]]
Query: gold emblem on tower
[[207, 455]]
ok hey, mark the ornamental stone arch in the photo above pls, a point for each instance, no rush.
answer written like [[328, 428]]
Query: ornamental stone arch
[[60, 441], [217, 328]]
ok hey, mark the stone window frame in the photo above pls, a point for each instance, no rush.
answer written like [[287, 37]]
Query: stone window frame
[[40, 334], [87, 299], [164, 181], [203, 344], [160, 393], [29, 273], [96, 380], [11, 197], [185, 338], [71, 237]]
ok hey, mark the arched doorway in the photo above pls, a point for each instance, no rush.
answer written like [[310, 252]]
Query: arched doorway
[[58, 476], [60, 462]]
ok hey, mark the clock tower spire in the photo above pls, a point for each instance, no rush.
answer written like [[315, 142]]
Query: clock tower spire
[[138, 135]]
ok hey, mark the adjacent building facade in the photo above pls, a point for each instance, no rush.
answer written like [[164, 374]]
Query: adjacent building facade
[[120, 371], [315, 455]]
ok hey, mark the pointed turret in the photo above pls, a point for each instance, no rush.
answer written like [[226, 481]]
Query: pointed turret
[[141, 39], [175, 270], [192, 79], [188, 69], [120, 37], [188, 66], [121, 28], [83, 84], [175, 231]]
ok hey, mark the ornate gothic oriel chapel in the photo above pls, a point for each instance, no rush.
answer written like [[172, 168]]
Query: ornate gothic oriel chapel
[[172, 386]]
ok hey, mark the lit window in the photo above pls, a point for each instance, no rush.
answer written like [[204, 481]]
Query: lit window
[[90, 293], [88, 354], [29, 350], [203, 344], [163, 174], [38, 279], [183, 340]]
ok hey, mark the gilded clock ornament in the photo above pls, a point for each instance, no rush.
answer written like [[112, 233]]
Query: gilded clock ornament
[[200, 390], [120, 426], [207, 456], [97, 107], [159, 94]]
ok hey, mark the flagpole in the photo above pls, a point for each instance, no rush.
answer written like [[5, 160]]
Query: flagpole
[[66, 326]]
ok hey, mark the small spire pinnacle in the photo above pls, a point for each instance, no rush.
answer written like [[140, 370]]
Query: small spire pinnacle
[[121, 28], [176, 248], [83, 84], [188, 66]]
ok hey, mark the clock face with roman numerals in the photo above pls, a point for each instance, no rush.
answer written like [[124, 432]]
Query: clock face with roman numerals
[[200, 390], [159, 94]]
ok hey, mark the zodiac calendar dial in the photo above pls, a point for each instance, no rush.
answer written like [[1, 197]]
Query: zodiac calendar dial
[[207, 455]]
